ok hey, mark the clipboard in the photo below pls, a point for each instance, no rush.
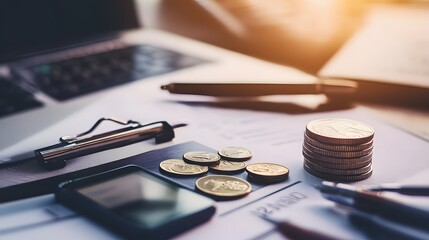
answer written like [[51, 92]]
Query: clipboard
[[46, 183]]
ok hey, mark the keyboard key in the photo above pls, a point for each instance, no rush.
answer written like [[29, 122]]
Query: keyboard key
[[13, 99], [71, 78]]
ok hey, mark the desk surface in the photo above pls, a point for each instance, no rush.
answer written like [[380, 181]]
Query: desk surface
[[397, 154]]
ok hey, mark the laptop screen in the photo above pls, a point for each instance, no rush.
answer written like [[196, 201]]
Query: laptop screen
[[29, 26]]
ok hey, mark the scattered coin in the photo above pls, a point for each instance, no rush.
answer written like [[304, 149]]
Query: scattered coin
[[179, 167], [339, 131], [338, 178], [223, 186], [267, 172], [265, 180], [201, 158], [235, 153], [228, 160], [228, 166]]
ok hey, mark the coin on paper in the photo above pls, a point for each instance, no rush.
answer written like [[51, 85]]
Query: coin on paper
[[334, 171], [228, 166], [338, 178], [339, 131], [201, 158], [179, 167], [235, 153], [337, 165], [337, 154], [338, 148], [309, 154], [223, 186]]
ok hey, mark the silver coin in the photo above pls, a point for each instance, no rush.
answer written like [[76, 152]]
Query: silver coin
[[265, 179], [336, 154], [344, 172], [338, 178], [201, 158], [228, 166], [338, 148], [267, 172], [179, 167], [309, 154], [339, 131], [337, 165], [223, 186], [235, 153]]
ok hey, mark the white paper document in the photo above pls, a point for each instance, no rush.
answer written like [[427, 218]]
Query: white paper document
[[298, 203], [273, 137]]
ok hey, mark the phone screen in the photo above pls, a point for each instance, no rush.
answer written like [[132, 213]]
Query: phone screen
[[144, 199]]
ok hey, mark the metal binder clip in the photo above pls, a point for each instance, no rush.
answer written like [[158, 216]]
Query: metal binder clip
[[55, 156]]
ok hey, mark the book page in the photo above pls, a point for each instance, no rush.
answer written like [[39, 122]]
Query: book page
[[392, 46]]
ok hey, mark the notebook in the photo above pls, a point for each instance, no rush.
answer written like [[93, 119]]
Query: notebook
[[388, 56]]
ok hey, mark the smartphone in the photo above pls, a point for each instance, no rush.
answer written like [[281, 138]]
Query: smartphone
[[136, 204]]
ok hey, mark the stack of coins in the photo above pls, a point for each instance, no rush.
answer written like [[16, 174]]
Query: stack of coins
[[338, 149], [232, 160]]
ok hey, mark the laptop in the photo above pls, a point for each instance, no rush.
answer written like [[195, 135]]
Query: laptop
[[58, 56]]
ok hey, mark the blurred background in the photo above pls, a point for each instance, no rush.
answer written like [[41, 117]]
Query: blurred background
[[299, 33], [303, 34]]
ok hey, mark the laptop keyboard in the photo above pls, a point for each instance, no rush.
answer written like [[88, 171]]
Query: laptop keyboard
[[14, 99], [67, 79]]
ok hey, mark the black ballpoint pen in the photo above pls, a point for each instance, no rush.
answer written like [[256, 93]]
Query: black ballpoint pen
[[370, 223], [377, 226], [402, 189], [374, 203], [323, 86]]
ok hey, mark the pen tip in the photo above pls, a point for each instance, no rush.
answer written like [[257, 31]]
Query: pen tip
[[328, 183], [164, 87], [179, 125], [323, 185]]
